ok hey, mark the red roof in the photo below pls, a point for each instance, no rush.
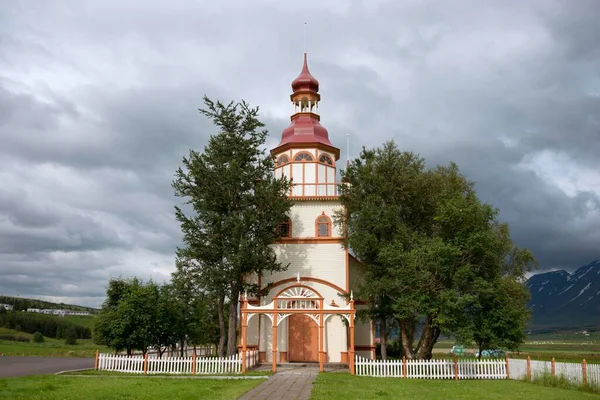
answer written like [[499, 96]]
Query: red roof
[[305, 81], [305, 127]]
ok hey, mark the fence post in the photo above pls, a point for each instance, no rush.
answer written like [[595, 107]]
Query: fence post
[[146, 363], [97, 358], [404, 367], [553, 368], [455, 368], [528, 373], [507, 368], [584, 372], [194, 362]]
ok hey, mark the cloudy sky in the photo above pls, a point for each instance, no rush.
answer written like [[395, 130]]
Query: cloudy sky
[[99, 99]]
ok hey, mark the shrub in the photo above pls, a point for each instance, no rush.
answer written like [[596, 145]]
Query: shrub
[[38, 337], [71, 337], [14, 338]]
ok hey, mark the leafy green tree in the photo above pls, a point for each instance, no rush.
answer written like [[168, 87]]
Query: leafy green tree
[[71, 337], [426, 243], [129, 315], [236, 204]]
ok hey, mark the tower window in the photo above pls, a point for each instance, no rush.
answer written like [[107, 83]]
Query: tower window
[[325, 159], [284, 229], [303, 157], [323, 225], [282, 160]]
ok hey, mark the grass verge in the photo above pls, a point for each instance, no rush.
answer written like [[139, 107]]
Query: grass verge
[[347, 387], [60, 387]]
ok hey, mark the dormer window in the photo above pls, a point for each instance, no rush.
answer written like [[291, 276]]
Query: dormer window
[[323, 226], [282, 160], [303, 157], [325, 159], [284, 229]]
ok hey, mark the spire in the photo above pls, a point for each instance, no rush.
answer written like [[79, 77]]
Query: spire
[[305, 82]]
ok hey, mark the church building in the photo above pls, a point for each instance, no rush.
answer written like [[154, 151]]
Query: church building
[[304, 317]]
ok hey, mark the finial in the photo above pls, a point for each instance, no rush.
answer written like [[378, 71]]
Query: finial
[[347, 150], [351, 296], [305, 34], [298, 276], [246, 294]]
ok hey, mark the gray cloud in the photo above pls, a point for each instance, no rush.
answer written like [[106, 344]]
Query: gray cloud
[[98, 103]]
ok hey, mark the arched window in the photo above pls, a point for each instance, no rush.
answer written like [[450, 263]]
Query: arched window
[[325, 159], [282, 160], [284, 229], [303, 157], [323, 226]]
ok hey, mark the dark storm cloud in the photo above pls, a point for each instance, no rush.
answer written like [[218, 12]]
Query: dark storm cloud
[[98, 103]]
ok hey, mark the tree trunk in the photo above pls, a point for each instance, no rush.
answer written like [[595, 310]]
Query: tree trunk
[[221, 311], [383, 338], [429, 336], [182, 344], [232, 327], [407, 334]]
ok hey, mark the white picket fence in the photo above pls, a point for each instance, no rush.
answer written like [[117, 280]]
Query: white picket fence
[[431, 369], [176, 365], [573, 372], [472, 369]]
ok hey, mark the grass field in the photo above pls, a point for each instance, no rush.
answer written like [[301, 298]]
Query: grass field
[[59, 387], [347, 387], [50, 347]]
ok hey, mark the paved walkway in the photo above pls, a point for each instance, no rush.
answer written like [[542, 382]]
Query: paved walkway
[[289, 384], [11, 366]]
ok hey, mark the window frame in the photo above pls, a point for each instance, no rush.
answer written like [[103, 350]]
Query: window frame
[[277, 164], [330, 159], [287, 222], [318, 221], [312, 157]]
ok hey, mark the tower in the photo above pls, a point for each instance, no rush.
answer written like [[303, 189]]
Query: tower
[[308, 313], [305, 155]]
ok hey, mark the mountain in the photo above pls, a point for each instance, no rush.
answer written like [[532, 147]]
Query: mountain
[[563, 300]]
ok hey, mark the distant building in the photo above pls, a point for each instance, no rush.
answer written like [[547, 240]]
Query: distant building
[[62, 313], [7, 307]]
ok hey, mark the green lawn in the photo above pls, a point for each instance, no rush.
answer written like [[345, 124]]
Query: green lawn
[[50, 347], [58, 387], [347, 387]]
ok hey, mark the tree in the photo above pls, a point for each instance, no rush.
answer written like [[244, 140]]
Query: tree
[[426, 243], [129, 315], [71, 337], [38, 337], [236, 205]]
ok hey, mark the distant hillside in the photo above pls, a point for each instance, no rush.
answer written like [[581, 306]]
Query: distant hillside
[[563, 300], [22, 304]]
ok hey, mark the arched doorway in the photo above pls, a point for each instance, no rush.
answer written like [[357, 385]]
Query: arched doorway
[[303, 339]]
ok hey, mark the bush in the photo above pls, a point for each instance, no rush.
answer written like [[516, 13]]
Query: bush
[[14, 338], [38, 337], [71, 337]]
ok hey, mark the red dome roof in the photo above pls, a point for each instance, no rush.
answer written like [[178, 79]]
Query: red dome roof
[[305, 81], [305, 129]]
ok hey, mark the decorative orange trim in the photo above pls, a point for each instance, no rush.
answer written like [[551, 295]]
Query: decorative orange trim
[[330, 149], [300, 285], [323, 215], [315, 198], [312, 157], [309, 279], [332, 165], [347, 270], [321, 239], [279, 158]]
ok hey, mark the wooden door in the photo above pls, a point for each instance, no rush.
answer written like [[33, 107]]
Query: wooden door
[[303, 339]]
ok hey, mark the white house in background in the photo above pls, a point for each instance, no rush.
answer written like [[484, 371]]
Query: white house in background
[[52, 311], [304, 318], [7, 307]]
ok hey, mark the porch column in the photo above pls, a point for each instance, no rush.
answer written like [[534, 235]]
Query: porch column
[[351, 352], [244, 331], [274, 361], [321, 328]]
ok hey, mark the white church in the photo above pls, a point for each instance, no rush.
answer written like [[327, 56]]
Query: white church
[[304, 318]]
